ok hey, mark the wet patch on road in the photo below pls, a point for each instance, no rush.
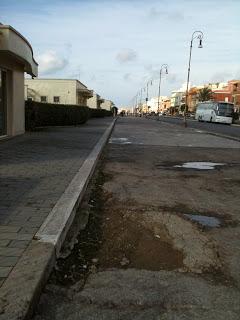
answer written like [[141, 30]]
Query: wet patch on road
[[119, 141], [200, 165], [205, 221], [190, 165]]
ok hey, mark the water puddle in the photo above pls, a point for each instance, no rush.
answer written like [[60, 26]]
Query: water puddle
[[205, 221], [119, 141], [199, 165]]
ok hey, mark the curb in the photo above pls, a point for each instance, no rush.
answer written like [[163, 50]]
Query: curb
[[21, 291]]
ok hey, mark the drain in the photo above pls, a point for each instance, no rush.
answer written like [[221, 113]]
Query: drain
[[205, 221], [199, 165]]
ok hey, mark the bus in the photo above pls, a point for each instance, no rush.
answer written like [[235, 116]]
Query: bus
[[212, 111]]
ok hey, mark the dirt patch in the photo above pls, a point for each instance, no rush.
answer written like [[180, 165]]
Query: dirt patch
[[135, 245]]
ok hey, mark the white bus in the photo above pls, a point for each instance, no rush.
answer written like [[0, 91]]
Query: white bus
[[211, 111]]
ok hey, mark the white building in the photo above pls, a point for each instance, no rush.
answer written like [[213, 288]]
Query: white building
[[107, 105], [16, 57], [64, 91], [95, 101], [155, 106]]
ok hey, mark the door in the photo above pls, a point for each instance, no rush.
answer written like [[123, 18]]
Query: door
[[3, 103]]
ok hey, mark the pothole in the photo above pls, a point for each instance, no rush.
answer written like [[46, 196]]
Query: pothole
[[205, 221], [200, 165], [119, 141]]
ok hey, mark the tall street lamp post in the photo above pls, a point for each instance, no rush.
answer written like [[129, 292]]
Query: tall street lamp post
[[149, 82], [195, 35], [163, 67]]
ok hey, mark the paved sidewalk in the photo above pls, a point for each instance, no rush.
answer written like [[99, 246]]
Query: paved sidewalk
[[35, 169]]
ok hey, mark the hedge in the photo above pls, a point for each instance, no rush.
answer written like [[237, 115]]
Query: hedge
[[38, 114], [99, 113]]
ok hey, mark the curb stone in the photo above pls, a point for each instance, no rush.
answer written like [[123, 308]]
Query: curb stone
[[20, 292]]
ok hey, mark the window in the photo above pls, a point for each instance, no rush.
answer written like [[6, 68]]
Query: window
[[43, 99], [56, 99]]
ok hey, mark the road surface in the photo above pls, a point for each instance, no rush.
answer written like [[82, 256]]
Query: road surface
[[229, 130], [163, 238]]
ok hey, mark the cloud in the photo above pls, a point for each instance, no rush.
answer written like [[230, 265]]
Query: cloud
[[49, 62], [126, 55], [221, 76], [172, 15], [127, 76]]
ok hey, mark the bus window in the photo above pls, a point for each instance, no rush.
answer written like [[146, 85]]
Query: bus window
[[225, 109]]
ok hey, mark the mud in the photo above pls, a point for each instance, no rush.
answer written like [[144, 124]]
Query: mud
[[135, 241]]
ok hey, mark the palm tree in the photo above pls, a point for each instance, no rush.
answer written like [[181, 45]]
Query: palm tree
[[205, 94]]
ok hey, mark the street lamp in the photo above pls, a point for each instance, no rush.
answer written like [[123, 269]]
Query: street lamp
[[149, 82], [163, 67], [195, 35]]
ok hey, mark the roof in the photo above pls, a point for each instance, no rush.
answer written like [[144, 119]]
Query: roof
[[13, 43]]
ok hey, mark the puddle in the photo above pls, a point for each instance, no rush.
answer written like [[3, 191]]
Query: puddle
[[199, 165], [119, 141], [205, 221]]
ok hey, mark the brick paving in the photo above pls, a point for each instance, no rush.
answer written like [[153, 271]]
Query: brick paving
[[35, 170]]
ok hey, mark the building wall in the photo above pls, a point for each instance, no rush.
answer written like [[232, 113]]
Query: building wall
[[15, 95], [107, 105], [95, 102], [153, 103], [65, 89]]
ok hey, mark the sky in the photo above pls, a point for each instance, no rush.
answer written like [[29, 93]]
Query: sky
[[116, 47]]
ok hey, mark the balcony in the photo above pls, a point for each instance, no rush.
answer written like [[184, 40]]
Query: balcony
[[15, 45]]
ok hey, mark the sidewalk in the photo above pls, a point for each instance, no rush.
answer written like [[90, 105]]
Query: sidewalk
[[35, 170]]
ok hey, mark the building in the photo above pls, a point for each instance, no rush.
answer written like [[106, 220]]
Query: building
[[162, 106], [107, 105], [177, 101], [95, 102], [229, 93], [64, 91], [16, 57]]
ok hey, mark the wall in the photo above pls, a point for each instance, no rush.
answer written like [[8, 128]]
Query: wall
[[65, 89], [93, 102], [107, 104], [15, 95]]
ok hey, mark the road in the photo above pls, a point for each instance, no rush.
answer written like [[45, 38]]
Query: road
[[163, 237], [232, 131]]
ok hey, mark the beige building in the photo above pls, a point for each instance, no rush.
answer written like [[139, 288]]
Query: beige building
[[158, 106], [16, 57], [95, 102], [64, 91], [107, 105]]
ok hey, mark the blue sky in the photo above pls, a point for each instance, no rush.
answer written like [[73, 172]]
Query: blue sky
[[114, 47]]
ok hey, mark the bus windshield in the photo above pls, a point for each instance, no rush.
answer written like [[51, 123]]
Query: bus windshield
[[225, 110]]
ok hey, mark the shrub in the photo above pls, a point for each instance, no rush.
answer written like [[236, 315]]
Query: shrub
[[39, 114], [100, 113]]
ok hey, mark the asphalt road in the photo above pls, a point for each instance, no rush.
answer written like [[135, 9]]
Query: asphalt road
[[163, 236], [233, 130]]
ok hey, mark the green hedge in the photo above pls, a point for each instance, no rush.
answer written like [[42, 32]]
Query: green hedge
[[99, 113], [38, 114]]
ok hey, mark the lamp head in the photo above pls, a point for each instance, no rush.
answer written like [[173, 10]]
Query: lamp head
[[166, 70], [200, 44]]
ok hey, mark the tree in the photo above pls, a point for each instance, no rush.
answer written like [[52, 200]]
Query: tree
[[205, 94]]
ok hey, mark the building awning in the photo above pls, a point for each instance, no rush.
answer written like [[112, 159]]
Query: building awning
[[85, 93], [14, 44]]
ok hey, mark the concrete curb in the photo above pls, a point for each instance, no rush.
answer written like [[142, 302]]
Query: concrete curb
[[20, 292], [56, 225]]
